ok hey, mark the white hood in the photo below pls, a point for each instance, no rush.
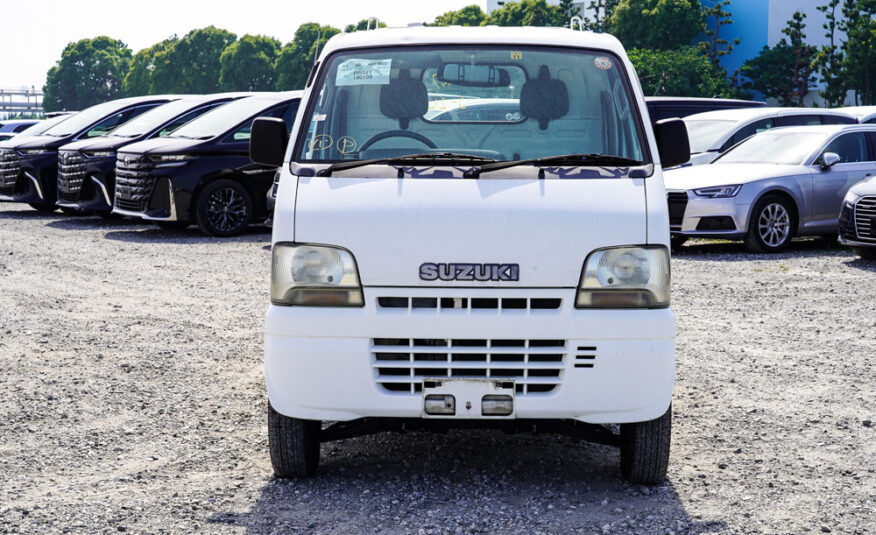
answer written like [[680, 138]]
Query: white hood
[[718, 174]]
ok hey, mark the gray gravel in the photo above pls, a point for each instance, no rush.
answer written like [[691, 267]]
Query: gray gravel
[[133, 401]]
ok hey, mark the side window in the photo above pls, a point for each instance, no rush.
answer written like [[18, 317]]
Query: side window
[[749, 130], [837, 119], [21, 127], [243, 133], [289, 116], [850, 148], [107, 125], [799, 120], [179, 121]]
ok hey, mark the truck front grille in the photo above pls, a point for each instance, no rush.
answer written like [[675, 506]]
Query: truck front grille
[[401, 364], [473, 303], [134, 182], [677, 201], [10, 167], [71, 175], [865, 219]]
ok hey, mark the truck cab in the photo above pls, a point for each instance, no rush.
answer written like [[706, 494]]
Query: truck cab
[[507, 269]]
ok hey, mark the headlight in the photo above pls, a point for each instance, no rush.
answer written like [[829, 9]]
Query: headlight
[[718, 192], [314, 275], [171, 160], [35, 151], [101, 154], [625, 277], [851, 197]]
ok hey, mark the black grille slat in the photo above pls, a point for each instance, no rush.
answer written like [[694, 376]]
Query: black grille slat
[[10, 168], [134, 182], [71, 175], [511, 305], [677, 201], [865, 219]]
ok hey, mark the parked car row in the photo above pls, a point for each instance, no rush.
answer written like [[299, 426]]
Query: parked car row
[[171, 159]]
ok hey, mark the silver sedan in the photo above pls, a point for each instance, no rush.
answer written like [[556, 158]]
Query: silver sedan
[[773, 186]]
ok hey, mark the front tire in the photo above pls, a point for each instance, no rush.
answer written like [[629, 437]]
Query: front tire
[[172, 225], [645, 450], [867, 253], [677, 241], [224, 208], [294, 445], [772, 225]]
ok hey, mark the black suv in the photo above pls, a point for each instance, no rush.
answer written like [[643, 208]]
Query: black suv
[[202, 172], [86, 170], [29, 165]]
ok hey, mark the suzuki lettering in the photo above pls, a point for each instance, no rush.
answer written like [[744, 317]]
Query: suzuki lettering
[[470, 272]]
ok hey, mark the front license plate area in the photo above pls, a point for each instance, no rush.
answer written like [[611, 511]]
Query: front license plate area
[[468, 399]]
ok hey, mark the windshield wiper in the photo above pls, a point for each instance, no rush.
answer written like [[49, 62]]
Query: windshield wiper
[[425, 157], [576, 159]]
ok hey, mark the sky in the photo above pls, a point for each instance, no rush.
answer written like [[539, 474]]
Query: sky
[[35, 32]]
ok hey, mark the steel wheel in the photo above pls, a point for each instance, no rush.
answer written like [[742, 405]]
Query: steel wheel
[[774, 224], [224, 208]]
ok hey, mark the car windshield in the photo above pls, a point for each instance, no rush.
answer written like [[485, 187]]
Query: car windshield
[[703, 133], [83, 119], [500, 103], [775, 147], [152, 119], [42, 126], [223, 118]]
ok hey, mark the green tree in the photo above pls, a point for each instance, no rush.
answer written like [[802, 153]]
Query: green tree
[[859, 50], [683, 72], [527, 13], [192, 64], [569, 9], [90, 71], [468, 16], [716, 46], [601, 11], [248, 64], [784, 72], [657, 24], [829, 59], [139, 78], [296, 58], [364, 25]]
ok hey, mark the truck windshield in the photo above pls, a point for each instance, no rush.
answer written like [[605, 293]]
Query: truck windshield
[[500, 103], [223, 118]]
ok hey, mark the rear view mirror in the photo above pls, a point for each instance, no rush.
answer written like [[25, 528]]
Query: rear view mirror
[[267, 143], [672, 142], [474, 75], [829, 160]]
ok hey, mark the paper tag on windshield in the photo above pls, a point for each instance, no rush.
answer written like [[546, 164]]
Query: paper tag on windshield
[[363, 72]]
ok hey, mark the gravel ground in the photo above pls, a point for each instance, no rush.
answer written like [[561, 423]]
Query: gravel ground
[[133, 401]]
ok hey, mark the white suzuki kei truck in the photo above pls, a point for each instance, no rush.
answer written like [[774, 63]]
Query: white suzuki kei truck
[[471, 229]]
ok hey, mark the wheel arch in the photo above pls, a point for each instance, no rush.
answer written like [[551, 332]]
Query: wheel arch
[[227, 174], [785, 194]]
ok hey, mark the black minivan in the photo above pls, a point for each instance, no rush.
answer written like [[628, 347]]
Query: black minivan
[[86, 169], [201, 173], [29, 165]]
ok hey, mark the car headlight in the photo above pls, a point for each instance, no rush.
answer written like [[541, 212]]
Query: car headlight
[[314, 275], [101, 154], [625, 277], [35, 151], [171, 160], [718, 192], [851, 197]]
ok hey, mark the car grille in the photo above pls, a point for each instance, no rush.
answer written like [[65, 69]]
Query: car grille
[[71, 174], [677, 201], [10, 167], [134, 182], [865, 219], [448, 304], [535, 366]]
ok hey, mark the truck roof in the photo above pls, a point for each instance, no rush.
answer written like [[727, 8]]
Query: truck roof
[[483, 35]]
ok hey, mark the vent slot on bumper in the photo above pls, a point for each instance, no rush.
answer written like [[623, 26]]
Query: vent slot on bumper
[[466, 303], [677, 201]]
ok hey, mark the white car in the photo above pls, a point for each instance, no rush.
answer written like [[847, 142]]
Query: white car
[[712, 133], [431, 274], [773, 186]]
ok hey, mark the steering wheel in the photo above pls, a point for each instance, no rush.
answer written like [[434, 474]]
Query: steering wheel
[[398, 133]]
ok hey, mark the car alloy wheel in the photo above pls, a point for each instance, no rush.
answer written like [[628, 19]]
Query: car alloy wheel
[[226, 209], [774, 224]]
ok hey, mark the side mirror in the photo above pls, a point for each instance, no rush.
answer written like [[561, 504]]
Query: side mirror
[[672, 142], [267, 141], [829, 159]]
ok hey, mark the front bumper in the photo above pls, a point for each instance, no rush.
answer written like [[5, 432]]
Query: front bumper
[[321, 364], [701, 215]]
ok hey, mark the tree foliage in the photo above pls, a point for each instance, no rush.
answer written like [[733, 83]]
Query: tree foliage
[[89, 72], [656, 24], [828, 61], [601, 10], [364, 24], [296, 58], [859, 49], [715, 46], [192, 64], [683, 72], [139, 78], [527, 13], [248, 64], [468, 16]]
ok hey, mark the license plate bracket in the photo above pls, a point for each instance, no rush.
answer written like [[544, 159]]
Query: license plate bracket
[[472, 397]]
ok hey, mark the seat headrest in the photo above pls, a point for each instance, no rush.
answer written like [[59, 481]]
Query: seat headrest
[[404, 99], [544, 99]]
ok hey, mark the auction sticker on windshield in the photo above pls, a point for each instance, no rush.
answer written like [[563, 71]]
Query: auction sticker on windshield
[[363, 72]]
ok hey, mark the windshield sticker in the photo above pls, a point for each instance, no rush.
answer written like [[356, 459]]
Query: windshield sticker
[[602, 63], [346, 145], [363, 72], [516, 55], [321, 142]]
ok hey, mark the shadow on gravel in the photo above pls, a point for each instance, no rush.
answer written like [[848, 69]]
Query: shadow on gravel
[[30, 214], [153, 234], [719, 251], [466, 482], [93, 223], [860, 263]]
